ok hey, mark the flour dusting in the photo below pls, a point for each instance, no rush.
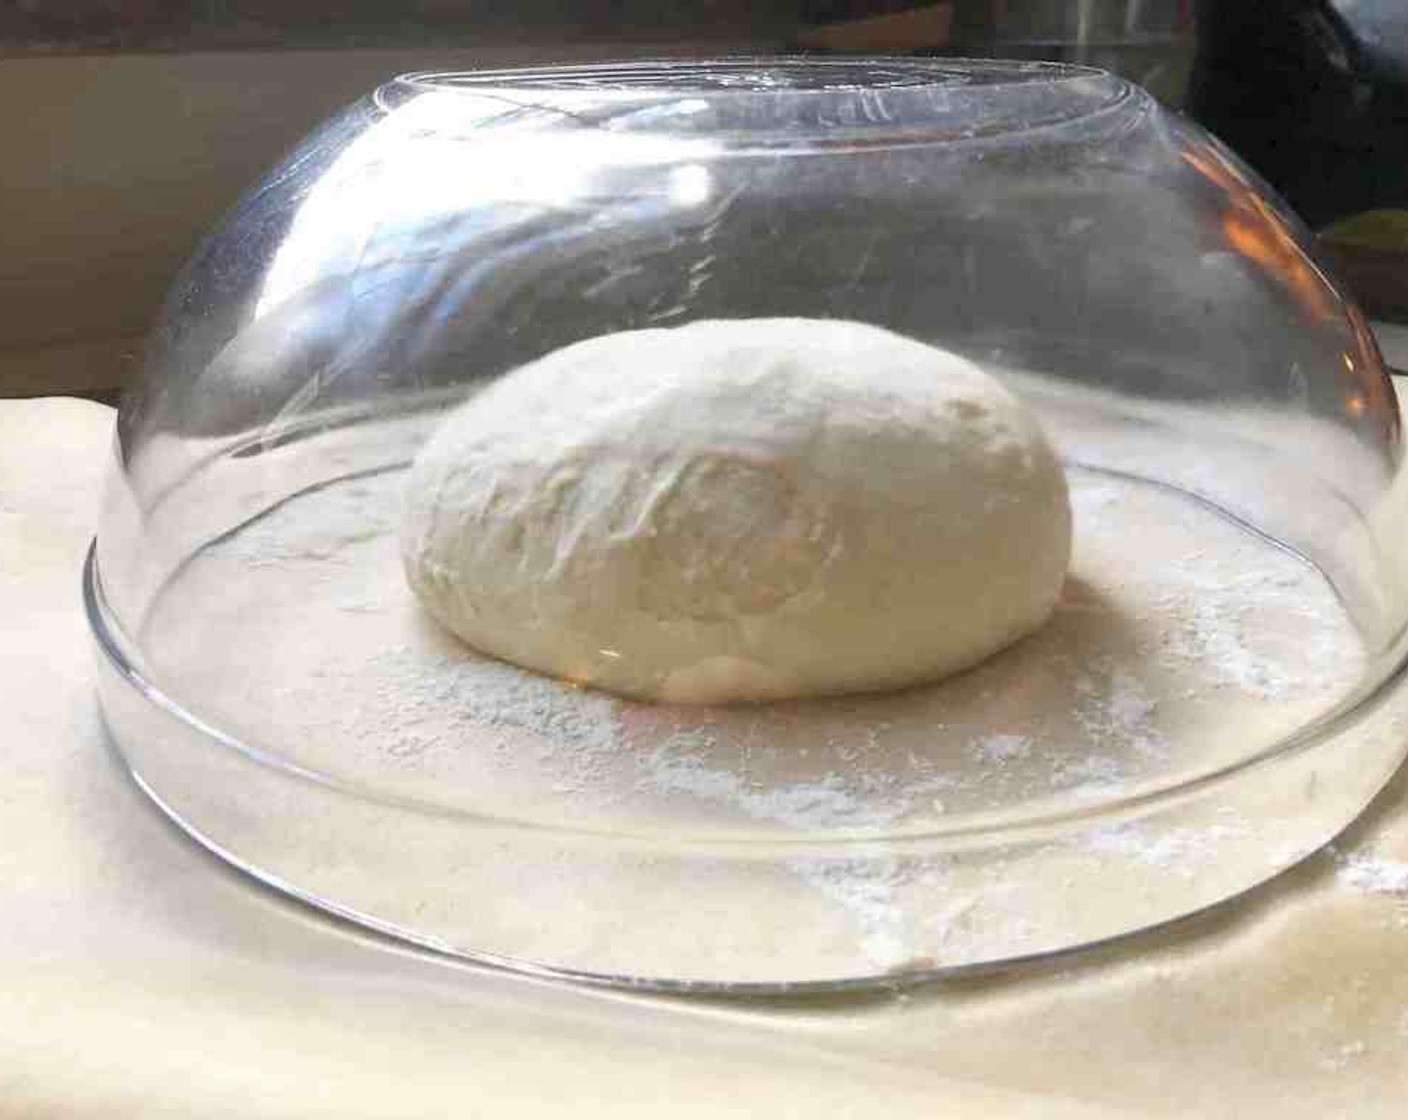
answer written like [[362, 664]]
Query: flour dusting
[[1183, 851], [825, 804], [1001, 749], [1374, 876], [1179, 642]]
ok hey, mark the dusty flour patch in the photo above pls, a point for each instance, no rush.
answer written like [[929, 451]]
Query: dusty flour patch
[[1182, 851], [997, 750], [419, 711], [1091, 778], [348, 515], [1366, 873], [870, 890], [832, 801], [823, 804], [1164, 624], [1220, 623], [908, 909], [1175, 625]]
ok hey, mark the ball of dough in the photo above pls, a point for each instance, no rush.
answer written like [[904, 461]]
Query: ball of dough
[[740, 510]]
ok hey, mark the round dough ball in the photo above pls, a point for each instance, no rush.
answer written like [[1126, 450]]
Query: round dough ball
[[740, 510]]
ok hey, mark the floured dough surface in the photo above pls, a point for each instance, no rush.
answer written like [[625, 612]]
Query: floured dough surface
[[740, 510]]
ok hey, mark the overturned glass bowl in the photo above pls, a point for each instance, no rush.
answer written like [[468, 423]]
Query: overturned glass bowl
[[1217, 693]]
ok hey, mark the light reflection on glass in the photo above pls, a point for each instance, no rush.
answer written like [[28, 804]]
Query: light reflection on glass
[[1259, 235], [475, 163]]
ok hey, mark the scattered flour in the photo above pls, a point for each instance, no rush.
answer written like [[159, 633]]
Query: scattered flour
[[1374, 876], [826, 804], [1087, 707], [1219, 623], [348, 515], [1183, 851], [1117, 710], [1000, 749], [417, 703], [1096, 703], [1091, 777], [870, 890]]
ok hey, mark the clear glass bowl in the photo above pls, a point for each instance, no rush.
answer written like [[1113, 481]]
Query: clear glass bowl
[[1217, 694]]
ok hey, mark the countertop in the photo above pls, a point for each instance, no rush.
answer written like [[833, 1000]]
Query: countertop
[[143, 977]]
